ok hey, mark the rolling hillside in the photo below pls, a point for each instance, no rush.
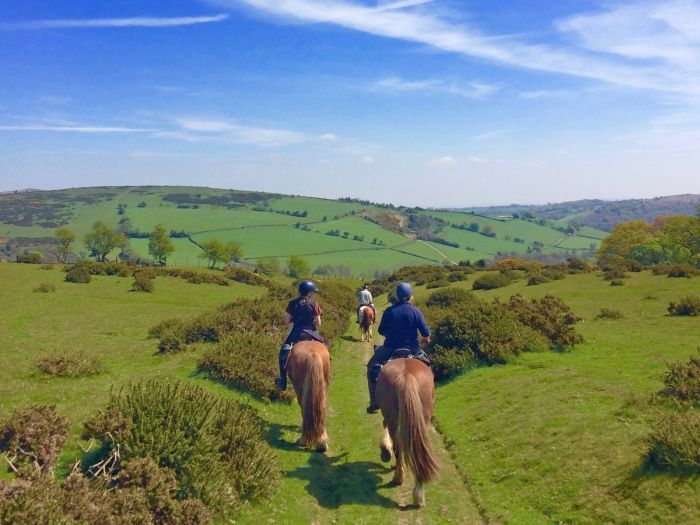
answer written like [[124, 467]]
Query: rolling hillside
[[350, 236]]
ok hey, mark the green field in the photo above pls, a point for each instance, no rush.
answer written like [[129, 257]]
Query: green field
[[551, 438], [264, 225]]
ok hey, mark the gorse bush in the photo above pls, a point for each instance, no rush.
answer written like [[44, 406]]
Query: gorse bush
[[141, 493], [682, 380], [609, 313], [674, 443], [537, 278], [688, 305], [467, 330], [682, 270], [70, 363], [78, 273], [144, 280], [45, 288], [215, 448], [419, 275], [34, 435], [30, 258], [491, 280]]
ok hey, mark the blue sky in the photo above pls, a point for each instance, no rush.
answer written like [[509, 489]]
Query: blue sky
[[420, 102]]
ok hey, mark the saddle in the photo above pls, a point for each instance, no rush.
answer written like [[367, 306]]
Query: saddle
[[309, 335]]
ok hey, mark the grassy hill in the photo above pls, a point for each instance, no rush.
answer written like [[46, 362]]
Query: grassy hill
[[552, 437], [361, 237]]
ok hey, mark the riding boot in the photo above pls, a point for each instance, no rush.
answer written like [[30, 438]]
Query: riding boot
[[373, 370], [281, 381]]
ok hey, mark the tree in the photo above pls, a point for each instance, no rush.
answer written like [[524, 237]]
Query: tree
[[268, 266], [65, 238], [101, 240], [488, 231], [298, 267], [159, 244], [217, 252], [624, 237]]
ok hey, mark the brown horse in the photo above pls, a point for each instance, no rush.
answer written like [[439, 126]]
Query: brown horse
[[367, 322], [406, 395], [308, 368]]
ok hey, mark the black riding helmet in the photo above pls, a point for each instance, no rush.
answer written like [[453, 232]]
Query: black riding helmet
[[306, 287]]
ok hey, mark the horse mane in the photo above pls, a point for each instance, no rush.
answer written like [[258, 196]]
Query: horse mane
[[412, 432], [313, 401]]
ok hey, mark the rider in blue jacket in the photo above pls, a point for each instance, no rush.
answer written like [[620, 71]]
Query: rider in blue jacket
[[400, 325]]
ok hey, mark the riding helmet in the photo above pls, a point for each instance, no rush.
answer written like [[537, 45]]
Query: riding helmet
[[404, 291], [306, 287]]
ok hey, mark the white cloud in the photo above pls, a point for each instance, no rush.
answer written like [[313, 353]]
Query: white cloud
[[445, 161], [328, 137], [474, 89], [193, 129], [74, 129], [488, 135], [597, 60], [141, 21], [477, 160], [546, 94], [368, 159]]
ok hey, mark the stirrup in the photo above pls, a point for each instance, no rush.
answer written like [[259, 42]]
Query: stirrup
[[280, 383], [373, 408]]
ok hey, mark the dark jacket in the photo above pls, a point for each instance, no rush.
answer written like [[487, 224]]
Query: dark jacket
[[400, 326]]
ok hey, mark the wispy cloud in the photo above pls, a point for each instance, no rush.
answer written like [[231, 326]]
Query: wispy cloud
[[368, 159], [488, 135], [446, 161], [474, 89], [73, 129], [541, 94], [603, 56], [139, 21]]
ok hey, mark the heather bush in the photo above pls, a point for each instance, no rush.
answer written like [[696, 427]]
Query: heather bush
[[45, 288], [70, 363], [688, 305], [33, 436], [215, 448], [491, 280], [674, 443], [682, 380]]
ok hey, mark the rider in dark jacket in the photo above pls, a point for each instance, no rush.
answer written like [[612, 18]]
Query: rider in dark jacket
[[401, 323], [303, 314]]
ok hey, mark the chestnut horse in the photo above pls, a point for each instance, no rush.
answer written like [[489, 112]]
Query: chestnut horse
[[406, 394], [367, 322], [308, 368]]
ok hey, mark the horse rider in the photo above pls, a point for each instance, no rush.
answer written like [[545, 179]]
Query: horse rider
[[365, 297], [303, 315], [400, 325]]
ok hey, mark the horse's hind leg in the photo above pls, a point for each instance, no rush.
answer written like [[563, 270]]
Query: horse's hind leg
[[399, 473], [386, 446], [322, 445], [419, 495]]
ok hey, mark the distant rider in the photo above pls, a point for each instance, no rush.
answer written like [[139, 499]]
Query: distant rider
[[303, 315], [401, 323], [365, 297]]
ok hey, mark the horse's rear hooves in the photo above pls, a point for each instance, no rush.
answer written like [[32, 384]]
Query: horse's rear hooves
[[322, 448], [385, 455]]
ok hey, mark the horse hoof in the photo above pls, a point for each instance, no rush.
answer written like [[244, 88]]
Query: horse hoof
[[385, 455], [322, 448], [298, 443]]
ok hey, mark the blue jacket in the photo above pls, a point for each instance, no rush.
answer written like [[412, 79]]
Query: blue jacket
[[400, 326]]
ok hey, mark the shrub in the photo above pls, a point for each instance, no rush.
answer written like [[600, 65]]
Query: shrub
[[609, 313], [688, 305], [553, 274], [537, 278], [447, 362], [45, 288], [46, 267], [78, 273], [215, 448], [245, 276], [491, 280], [34, 435], [30, 258], [143, 281], [70, 363], [617, 282], [682, 270], [614, 274], [662, 269], [675, 441], [440, 283], [549, 316], [683, 380], [451, 297]]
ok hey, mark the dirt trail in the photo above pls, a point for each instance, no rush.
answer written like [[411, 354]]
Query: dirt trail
[[349, 484]]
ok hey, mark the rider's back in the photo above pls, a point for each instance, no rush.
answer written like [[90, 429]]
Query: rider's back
[[400, 325]]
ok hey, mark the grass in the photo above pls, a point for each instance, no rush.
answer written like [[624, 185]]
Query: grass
[[554, 437]]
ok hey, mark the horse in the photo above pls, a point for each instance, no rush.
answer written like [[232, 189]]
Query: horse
[[308, 368], [406, 395], [366, 323]]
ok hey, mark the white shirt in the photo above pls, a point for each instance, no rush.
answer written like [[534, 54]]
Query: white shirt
[[365, 297]]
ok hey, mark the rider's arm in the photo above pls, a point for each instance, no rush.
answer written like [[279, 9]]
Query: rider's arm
[[317, 320], [317, 317], [288, 319], [423, 327], [384, 323]]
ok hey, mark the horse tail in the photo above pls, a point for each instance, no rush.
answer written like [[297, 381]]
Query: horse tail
[[412, 433], [313, 401], [367, 318]]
